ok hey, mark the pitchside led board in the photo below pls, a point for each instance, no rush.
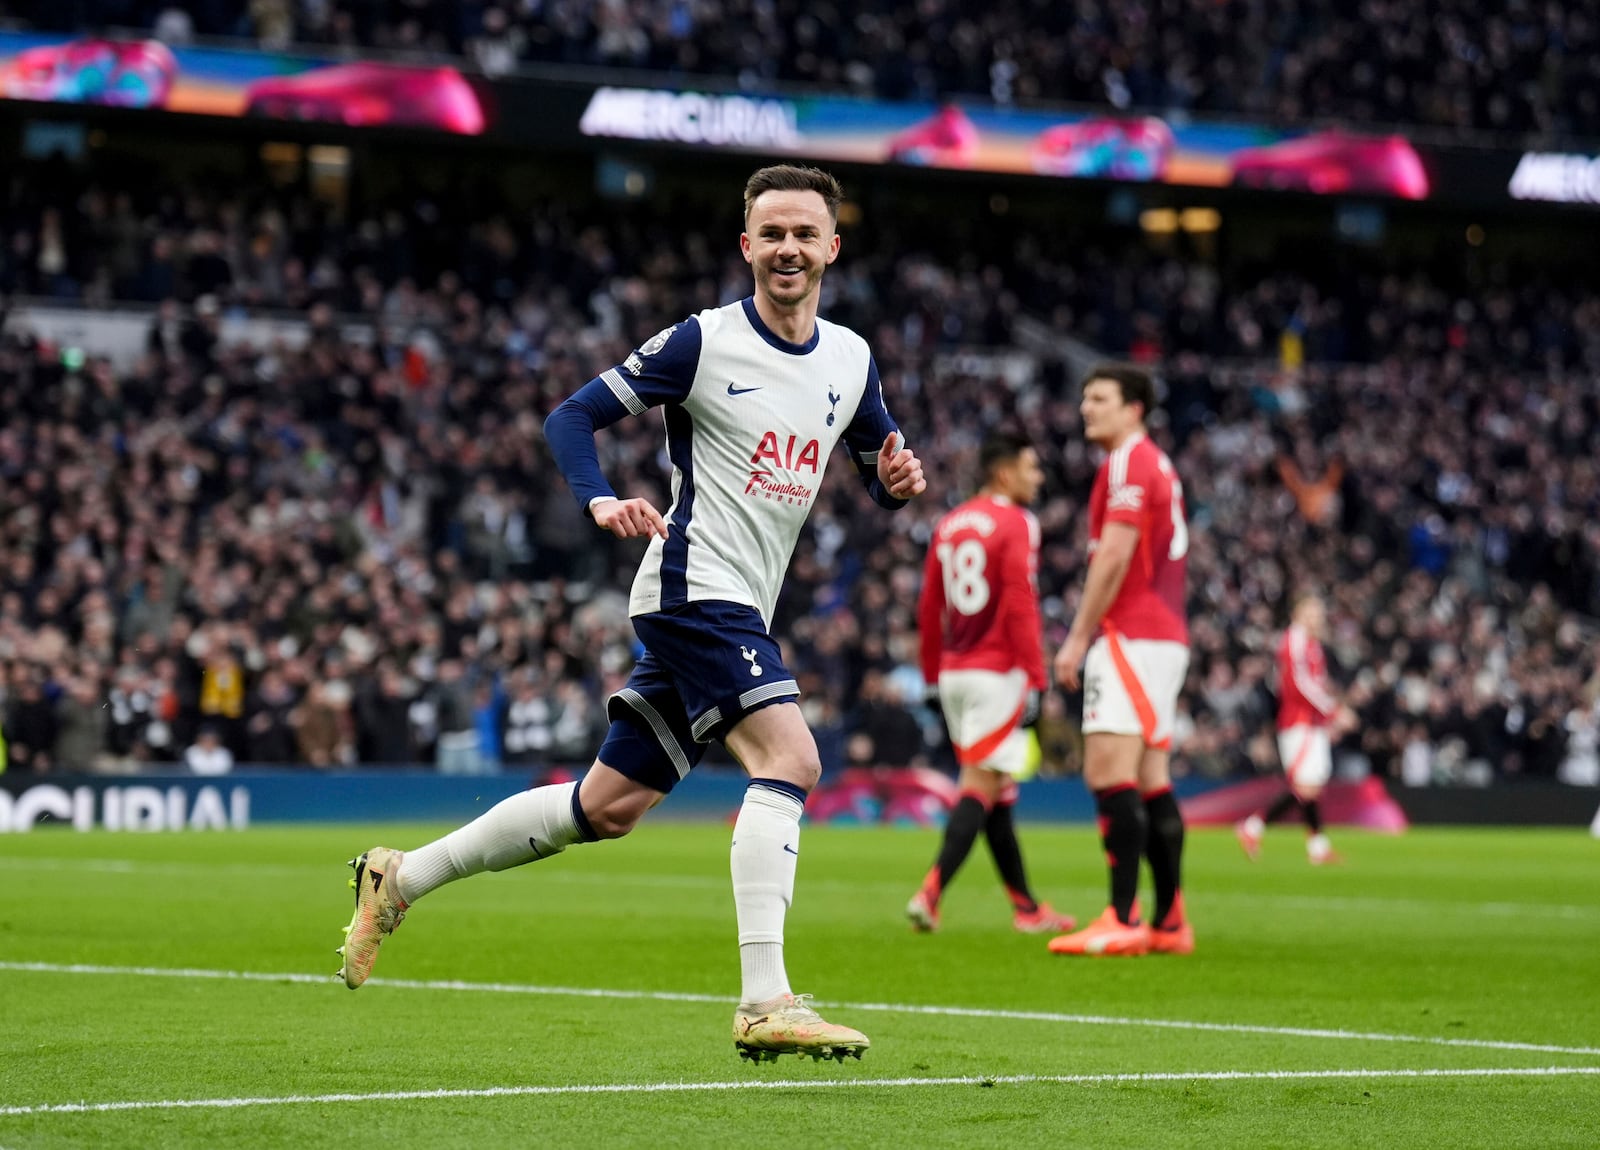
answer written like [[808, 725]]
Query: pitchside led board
[[529, 111]]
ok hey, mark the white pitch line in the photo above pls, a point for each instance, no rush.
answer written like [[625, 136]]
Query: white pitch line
[[881, 1007], [1314, 903], [806, 1084]]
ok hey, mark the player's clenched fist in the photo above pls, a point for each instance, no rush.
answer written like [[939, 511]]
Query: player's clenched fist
[[629, 518], [899, 469], [1069, 661]]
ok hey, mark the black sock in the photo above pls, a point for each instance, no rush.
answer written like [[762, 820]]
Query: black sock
[[1286, 802], [1164, 849], [1313, 812], [1122, 832], [959, 835], [1001, 831]]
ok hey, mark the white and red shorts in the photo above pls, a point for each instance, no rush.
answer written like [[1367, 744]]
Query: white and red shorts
[[1307, 755], [1131, 687], [983, 713]]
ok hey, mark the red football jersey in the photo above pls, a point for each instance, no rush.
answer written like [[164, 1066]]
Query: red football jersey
[[979, 609], [1304, 697], [1137, 485]]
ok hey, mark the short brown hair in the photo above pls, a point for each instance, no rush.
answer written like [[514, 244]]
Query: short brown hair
[[1000, 448], [794, 178], [1135, 382]]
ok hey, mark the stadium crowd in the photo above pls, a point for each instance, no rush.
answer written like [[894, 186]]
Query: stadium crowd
[[357, 550], [1497, 66]]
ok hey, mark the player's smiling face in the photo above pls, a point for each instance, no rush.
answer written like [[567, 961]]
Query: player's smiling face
[[789, 239]]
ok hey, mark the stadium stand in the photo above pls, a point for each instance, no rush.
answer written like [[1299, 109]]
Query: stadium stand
[[352, 550]]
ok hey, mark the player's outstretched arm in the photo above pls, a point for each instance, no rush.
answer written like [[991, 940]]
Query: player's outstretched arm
[[569, 432], [662, 370], [1106, 571]]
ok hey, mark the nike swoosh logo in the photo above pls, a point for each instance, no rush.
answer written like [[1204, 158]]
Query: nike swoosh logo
[[741, 390], [791, 850]]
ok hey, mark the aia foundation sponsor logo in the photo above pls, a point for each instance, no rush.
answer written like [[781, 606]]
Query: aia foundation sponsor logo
[[781, 467]]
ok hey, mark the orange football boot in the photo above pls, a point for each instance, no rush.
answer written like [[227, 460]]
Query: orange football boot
[[1042, 920], [1173, 935], [1106, 935]]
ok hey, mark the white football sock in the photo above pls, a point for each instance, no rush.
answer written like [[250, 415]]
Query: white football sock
[[766, 847], [522, 829]]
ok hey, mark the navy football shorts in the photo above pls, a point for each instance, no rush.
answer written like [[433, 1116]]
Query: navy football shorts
[[706, 666]]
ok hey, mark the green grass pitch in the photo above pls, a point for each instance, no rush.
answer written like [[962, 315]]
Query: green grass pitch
[[1406, 998]]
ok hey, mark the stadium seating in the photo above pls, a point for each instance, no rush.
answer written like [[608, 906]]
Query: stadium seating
[[337, 552]]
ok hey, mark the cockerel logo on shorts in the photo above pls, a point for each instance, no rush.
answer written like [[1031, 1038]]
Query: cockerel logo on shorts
[[750, 657]]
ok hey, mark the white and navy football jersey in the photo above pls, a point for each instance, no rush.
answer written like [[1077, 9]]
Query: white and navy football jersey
[[751, 421]]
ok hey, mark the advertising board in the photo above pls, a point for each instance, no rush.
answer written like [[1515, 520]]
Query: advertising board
[[533, 111]]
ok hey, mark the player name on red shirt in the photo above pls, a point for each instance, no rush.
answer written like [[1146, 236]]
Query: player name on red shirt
[[979, 609]]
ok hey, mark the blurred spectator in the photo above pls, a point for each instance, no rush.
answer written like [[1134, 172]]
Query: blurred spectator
[[458, 751], [269, 733], [130, 705], [173, 25], [383, 728], [31, 725], [1582, 765], [222, 689], [488, 709], [498, 45], [882, 719], [529, 720], [272, 22], [580, 723], [208, 755], [318, 730], [81, 727]]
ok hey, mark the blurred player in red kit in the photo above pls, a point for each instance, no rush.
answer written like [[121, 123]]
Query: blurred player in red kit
[[983, 663], [1131, 639], [1307, 709]]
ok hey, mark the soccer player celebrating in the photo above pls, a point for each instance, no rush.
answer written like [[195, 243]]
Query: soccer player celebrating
[[1306, 709], [755, 396], [983, 661], [1131, 640]]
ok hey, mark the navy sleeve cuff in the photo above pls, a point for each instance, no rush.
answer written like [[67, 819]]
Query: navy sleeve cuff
[[880, 495], [569, 431]]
